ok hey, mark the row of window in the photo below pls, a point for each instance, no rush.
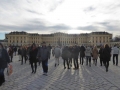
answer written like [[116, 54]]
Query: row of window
[[101, 37]]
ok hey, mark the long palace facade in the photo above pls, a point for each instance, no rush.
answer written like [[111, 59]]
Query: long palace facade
[[59, 38]]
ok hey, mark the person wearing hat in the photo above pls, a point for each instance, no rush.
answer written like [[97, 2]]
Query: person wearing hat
[[4, 61], [43, 55]]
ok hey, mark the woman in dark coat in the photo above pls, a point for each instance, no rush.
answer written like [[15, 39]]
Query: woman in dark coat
[[33, 57], [107, 56], [4, 61]]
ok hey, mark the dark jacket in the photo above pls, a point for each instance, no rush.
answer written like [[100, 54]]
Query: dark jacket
[[28, 50], [75, 52], [19, 51], [49, 48], [33, 55], [82, 51], [4, 60], [71, 54], [10, 52], [101, 53], [23, 52], [15, 49], [65, 53], [107, 54], [43, 53]]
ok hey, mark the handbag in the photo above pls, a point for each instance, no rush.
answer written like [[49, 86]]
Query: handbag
[[9, 69]]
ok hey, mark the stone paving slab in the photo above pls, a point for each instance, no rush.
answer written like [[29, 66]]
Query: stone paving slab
[[86, 78]]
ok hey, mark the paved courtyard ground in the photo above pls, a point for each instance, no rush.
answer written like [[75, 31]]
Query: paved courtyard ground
[[85, 78]]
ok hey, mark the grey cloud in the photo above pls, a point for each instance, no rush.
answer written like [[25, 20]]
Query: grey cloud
[[34, 12], [104, 23], [28, 1], [36, 25], [111, 25], [60, 27], [88, 9], [90, 27], [114, 6], [56, 5]]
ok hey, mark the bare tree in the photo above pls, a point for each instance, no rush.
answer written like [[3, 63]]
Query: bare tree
[[117, 38]]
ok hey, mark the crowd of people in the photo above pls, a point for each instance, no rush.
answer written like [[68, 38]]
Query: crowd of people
[[73, 56]]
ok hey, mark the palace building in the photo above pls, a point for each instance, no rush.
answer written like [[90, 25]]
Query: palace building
[[23, 38]]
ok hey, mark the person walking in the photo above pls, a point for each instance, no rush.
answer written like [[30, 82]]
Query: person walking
[[107, 56], [28, 52], [15, 50], [101, 55], [82, 54], [32, 58], [65, 54], [23, 53], [4, 61], [88, 52], [115, 52], [10, 52], [43, 55], [49, 48], [95, 55], [19, 53], [57, 55], [70, 56], [53, 51], [75, 57]]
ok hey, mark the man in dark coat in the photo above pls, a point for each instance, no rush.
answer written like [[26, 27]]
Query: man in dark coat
[[4, 61], [70, 55], [65, 56], [82, 54], [43, 55], [75, 56]]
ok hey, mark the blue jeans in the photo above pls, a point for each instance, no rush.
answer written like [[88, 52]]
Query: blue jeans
[[2, 78]]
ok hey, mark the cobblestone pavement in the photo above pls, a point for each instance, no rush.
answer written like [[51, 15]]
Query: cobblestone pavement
[[86, 78]]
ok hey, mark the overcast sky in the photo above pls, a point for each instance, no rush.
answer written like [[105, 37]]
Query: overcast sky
[[69, 16]]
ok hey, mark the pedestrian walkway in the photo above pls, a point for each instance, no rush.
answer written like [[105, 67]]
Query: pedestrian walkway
[[86, 78]]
